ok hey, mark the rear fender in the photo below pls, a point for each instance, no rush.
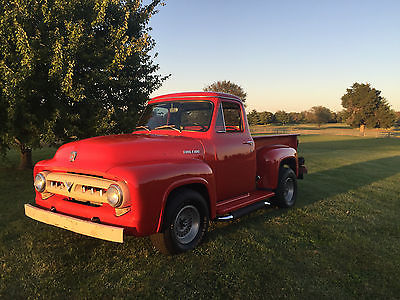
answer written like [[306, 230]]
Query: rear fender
[[269, 160]]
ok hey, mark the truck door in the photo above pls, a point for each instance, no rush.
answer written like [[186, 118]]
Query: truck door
[[235, 165]]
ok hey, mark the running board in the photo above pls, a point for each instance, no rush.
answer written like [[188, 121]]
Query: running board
[[243, 211]]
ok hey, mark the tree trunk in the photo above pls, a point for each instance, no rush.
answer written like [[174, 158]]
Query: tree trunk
[[26, 159], [362, 129], [25, 156]]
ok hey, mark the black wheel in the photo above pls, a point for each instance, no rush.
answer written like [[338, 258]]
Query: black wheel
[[185, 223], [286, 192]]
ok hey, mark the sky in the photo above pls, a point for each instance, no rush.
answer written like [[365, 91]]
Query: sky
[[287, 55]]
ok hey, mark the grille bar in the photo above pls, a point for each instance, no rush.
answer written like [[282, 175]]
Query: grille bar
[[79, 187]]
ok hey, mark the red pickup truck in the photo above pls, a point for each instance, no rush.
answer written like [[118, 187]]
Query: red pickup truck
[[190, 159]]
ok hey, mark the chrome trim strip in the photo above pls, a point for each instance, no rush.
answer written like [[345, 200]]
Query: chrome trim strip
[[225, 218], [231, 217]]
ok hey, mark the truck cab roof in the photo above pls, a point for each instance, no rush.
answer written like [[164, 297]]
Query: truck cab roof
[[194, 96]]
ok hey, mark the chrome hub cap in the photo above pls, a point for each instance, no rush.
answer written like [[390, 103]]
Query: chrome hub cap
[[288, 190], [187, 224]]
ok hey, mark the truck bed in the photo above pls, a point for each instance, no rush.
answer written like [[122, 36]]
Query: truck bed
[[262, 141]]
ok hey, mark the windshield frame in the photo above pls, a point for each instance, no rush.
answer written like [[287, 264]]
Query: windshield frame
[[150, 103]]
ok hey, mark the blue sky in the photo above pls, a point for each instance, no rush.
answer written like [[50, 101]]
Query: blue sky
[[288, 55]]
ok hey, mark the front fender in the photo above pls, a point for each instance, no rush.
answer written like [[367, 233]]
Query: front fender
[[150, 185], [268, 163]]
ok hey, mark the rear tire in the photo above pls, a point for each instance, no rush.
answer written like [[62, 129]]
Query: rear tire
[[185, 223], [286, 193]]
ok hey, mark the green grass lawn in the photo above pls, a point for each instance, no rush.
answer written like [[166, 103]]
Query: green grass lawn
[[324, 129], [342, 240]]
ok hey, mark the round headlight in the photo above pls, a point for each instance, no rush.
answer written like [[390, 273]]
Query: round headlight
[[40, 182], [114, 195]]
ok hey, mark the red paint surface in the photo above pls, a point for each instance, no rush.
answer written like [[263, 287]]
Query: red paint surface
[[153, 164]]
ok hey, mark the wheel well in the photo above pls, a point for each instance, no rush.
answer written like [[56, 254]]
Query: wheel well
[[198, 187], [290, 162]]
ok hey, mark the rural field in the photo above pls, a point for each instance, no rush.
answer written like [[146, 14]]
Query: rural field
[[341, 240], [325, 129]]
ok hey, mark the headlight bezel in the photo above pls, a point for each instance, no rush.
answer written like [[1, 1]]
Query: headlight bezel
[[113, 190], [42, 178]]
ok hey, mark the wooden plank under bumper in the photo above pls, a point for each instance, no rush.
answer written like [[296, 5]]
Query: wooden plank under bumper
[[100, 231]]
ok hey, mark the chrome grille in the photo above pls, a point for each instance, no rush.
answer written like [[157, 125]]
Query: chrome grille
[[79, 187]]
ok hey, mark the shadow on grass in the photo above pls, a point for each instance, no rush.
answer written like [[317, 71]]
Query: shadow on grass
[[353, 143], [328, 183], [321, 185]]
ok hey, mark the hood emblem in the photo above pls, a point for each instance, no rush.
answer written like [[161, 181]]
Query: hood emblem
[[72, 156], [68, 185]]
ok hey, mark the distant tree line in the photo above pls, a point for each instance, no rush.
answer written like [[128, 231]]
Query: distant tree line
[[317, 115], [363, 107]]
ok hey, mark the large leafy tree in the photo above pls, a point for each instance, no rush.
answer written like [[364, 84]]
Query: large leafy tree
[[229, 87], [72, 69], [364, 106]]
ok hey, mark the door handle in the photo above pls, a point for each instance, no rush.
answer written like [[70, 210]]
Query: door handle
[[248, 142]]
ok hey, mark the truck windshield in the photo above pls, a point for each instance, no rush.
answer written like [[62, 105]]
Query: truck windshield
[[177, 115]]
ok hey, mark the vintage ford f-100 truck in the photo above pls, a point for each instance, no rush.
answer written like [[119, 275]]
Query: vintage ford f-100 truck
[[190, 159]]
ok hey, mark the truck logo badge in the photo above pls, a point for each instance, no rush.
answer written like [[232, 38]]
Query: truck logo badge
[[191, 151], [72, 157], [68, 185]]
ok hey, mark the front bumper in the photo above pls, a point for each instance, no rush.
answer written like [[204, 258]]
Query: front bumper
[[100, 231]]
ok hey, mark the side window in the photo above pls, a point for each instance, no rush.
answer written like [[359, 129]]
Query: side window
[[232, 117]]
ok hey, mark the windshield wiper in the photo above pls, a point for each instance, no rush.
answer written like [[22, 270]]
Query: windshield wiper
[[169, 127], [143, 127]]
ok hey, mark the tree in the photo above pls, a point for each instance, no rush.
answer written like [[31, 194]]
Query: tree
[[301, 117], [227, 87], [296, 118], [364, 106], [253, 117], [398, 118], [282, 117], [73, 69], [321, 115], [341, 116], [266, 117]]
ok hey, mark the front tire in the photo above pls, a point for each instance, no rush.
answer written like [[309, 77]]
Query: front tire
[[286, 193], [185, 223]]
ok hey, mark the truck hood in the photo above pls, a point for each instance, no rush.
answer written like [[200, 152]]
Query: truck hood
[[102, 153]]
